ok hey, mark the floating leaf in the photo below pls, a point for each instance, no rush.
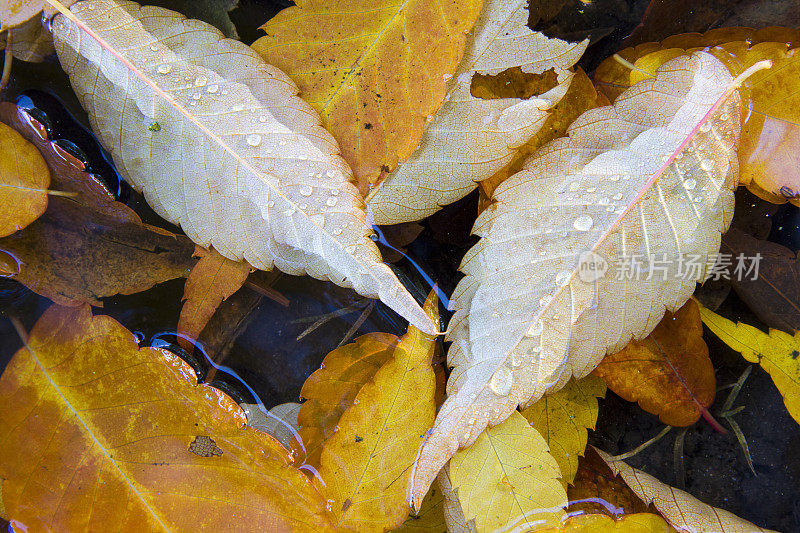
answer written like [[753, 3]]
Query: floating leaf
[[581, 97], [563, 417], [453, 514], [769, 155], [236, 158], [100, 434], [507, 478], [30, 42], [772, 291], [471, 138], [599, 523], [280, 422], [682, 510], [211, 281], [365, 464], [777, 352], [430, 518], [668, 372], [375, 72], [329, 391], [649, 179], [24, 178]]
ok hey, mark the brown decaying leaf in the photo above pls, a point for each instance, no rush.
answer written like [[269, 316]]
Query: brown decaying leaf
[[260, 179], [24, 178], [650, 177], [376, 72], [769, 155], [669, 372], [329, 391], [14, 13], [30, 42], [596, 485], [365, 463], [99, 434], [773, 293], [683, 511], [212, 279], [580, 97]]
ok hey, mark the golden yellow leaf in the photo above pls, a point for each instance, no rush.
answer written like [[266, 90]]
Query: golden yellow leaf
[[682, 510], [563, 417], [769, 154], [598, 523], [375, 71], [210, 282], [508, 479], [365, 464], [24, 178], [566, 245], [778, 353], [98, 434], [329, 391], [430, 518], [237, 159], [453, 513]]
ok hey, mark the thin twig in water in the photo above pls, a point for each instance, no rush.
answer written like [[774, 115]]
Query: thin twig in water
[[644, 445], [320, 320], [9, 57], [357, 324], [678, 463]]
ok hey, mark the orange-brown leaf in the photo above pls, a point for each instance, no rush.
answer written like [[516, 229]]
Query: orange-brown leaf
[[669, 372], [600, 523], [24, 179], [211, 281], [98, 434], [332, 389], [375, 71]]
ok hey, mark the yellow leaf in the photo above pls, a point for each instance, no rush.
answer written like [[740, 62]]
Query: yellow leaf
[[24, 178], [329, 391], [508, 478], [562, 419], [366, 462], [598, 523], [682, 510], [430, 518], [777, 352], [375, 71], [98, 434]]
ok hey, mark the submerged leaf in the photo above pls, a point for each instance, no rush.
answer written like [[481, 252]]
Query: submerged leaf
[[211, 281], [597, 226], [99, 434], [24, 178], [508, 478], [563, 417], [669, 372], [470, 138], [777, 352], [365, 463], [682, 510], [219, 142], [375, 71]]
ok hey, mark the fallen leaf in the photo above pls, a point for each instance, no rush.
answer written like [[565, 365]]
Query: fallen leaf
[[329, 391], [580, 97], [375, 72], [259, 179], [599, 490], [777, 352], [668, 372], [30, 42], [100, 434], [563, 417], [682, 510], [73, 255], [650, 179], [599, 523], [770, 138], [212, 279], [365, 463], [773, 291], [453, 514], [14, 13], [470, 138], [24, 178], [508, 479], [280, 422]]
